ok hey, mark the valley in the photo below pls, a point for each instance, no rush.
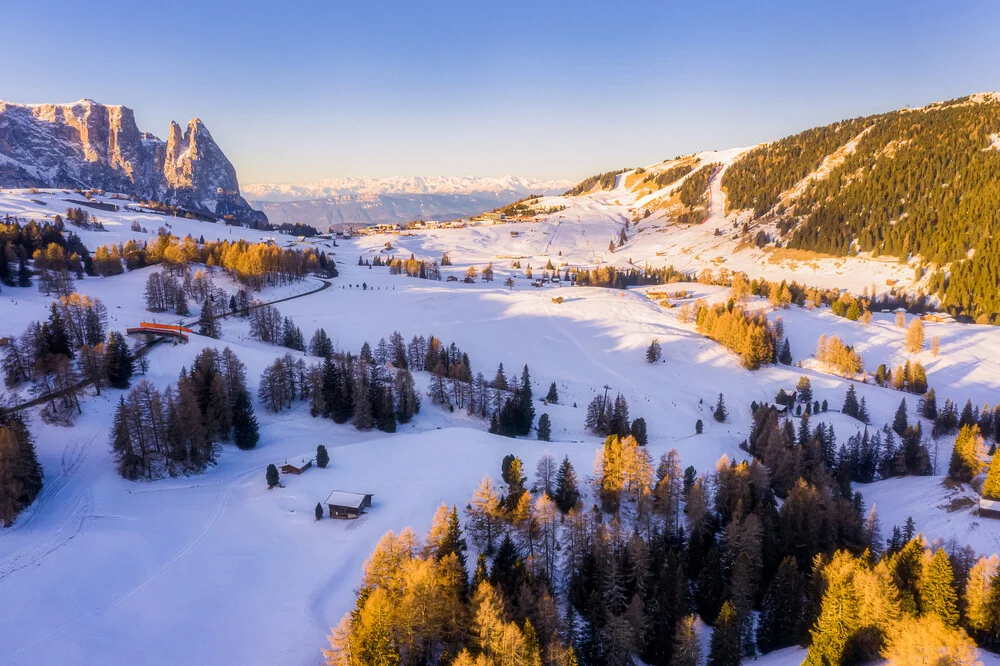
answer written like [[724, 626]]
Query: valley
[[95, 553]]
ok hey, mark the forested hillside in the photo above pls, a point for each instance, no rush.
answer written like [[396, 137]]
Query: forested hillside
[[910, 183]]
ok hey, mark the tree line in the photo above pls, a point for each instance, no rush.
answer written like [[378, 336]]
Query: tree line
[[155, 434], [772, 552], [254, 265], [70, 347], [20, 473]]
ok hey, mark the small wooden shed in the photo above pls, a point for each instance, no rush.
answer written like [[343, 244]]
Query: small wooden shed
[[343, 504], [989, 508], [297, 465]]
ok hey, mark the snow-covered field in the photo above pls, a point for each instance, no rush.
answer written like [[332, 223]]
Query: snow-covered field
[[101, 570]]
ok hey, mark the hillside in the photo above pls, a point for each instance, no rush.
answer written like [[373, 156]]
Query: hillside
[[914, 183]]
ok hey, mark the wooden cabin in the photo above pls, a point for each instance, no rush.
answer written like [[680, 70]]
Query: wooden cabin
[[989, 508], [297, 465], [343, 504]]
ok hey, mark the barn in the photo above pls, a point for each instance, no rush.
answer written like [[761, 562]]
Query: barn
[[297, 465], [343, 504]]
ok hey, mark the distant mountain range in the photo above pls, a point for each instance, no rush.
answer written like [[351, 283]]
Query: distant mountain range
[[474, 186], [344, 202], [86, 145]]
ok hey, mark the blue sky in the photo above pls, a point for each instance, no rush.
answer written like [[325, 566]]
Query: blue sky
[[300, 91]]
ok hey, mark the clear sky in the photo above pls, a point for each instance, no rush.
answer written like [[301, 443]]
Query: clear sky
[[297, 91]]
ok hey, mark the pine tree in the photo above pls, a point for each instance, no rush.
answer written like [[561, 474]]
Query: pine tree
[[929, 406], [20, 472], [208, 325], [782, 616], [552, 397], [654, 352], [699, 427], [725, 644], [785, 355], [638, 430], [320, 344], [967, 417], [407, 400], [246, 432], [525, 410], [319, 511], [850, 402], [118, 360], [720, 412], [899, 422], [500, 380], [567, 493], [544, 428], [322, 457], [710, 586], [272, 476]]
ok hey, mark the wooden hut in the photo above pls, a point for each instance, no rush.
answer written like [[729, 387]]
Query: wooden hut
[[343, 504], [297, 465], [989, 508]]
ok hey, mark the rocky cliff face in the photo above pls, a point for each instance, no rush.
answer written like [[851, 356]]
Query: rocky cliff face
[[86, 144]]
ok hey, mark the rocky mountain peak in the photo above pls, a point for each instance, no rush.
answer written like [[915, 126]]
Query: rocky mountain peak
[[87, 144]]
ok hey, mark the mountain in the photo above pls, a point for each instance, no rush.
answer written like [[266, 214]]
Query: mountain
[[502, 187], [365, 201], [90, 145], [917, 184]]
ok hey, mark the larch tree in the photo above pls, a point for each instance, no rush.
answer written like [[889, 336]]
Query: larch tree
[[724, 649], [937, 588], [485, 514], [967, 455], [991, 487], [978, 588], [915, 336]]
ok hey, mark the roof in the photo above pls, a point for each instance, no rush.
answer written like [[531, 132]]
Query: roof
[[344, 498], [299, 461]]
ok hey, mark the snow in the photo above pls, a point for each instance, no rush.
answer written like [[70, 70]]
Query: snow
[[102, 568], [794, 656], [403, 185], [344, 498]]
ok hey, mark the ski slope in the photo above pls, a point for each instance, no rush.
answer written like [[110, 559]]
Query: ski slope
[[103, 569]]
